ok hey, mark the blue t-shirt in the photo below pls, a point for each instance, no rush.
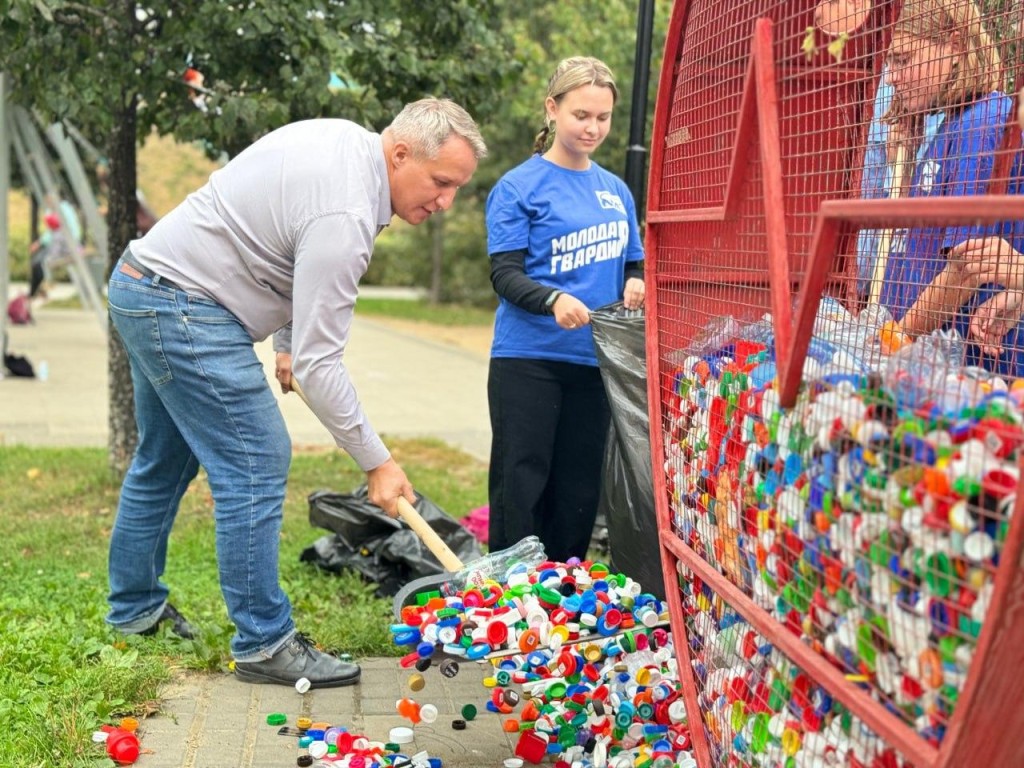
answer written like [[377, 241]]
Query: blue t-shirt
[[876, 180], [579, 228], [958, 161]]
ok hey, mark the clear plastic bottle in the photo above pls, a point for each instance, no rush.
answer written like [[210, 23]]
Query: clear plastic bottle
[[496, 566], [920, 372]]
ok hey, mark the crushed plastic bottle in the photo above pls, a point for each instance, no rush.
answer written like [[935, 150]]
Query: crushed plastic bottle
[[499, 566], [920, 372]]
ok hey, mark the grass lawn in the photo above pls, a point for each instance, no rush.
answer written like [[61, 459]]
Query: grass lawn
[[422, 311], [63, 672]]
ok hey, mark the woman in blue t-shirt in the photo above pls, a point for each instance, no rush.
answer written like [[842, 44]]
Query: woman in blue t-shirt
[[945, 69], [563, 239]]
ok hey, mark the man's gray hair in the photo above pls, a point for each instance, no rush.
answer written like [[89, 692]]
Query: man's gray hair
[[426, 124]]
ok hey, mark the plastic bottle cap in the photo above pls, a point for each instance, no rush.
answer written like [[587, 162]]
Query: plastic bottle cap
[[468, 711], [513, 762], [302, 685], [428, 713], [122, 746], [416, 682], [979, 546], [304, 760], [459, 725], [400, 735], [318, 749], [277, 718]]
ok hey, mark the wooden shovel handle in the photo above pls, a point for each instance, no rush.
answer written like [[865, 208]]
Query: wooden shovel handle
[[448, 559]]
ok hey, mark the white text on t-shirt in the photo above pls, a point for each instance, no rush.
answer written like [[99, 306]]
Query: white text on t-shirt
[[599, 242]]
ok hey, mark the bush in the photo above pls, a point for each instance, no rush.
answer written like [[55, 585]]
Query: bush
[[402, 257]]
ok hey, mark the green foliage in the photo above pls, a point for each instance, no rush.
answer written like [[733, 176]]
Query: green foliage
[[17, 246], [401, 256], [542, 34], [63, 672], [269, 63], [264, 64]]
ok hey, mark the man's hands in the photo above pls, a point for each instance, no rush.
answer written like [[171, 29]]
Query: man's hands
[[386, 483], [283, 371]]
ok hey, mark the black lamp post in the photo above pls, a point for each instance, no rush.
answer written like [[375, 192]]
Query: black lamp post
[[636, 153]]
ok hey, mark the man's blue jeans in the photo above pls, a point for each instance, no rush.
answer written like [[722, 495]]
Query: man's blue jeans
[[201, 398]]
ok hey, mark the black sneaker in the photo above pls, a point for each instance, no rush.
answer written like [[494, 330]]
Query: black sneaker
[[299, 658], [179, 624]]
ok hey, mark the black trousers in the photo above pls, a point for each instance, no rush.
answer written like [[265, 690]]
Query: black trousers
[[37, 277], [549, 421]]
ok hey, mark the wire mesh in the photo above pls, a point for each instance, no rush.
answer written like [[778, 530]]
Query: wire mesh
[[759, 707], [835, 202]]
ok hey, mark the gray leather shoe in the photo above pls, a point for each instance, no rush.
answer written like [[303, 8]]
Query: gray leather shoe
[[299, 658]]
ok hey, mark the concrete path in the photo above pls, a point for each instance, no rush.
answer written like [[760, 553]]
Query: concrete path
[[410, 387], [214, 721]]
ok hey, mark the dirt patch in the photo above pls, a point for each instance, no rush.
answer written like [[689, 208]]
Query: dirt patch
[[475, 339]]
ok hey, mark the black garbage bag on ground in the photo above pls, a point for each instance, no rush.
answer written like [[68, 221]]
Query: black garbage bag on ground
[[627, 495], [379, 548]]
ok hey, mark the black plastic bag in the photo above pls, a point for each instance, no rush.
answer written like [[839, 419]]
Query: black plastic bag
[[380, 548], [18, 365], [627, 495]]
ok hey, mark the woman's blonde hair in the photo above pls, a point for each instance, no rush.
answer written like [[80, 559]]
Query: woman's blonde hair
[[570, 74], [977, 68]]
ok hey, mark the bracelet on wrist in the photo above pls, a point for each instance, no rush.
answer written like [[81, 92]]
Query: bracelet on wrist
[[549, 302]]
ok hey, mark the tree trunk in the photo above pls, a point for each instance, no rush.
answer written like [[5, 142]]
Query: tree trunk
[[435, 224], [122, 228]]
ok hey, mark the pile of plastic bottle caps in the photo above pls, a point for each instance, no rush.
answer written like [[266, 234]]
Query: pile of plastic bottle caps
[[587, 649], [868, 520]]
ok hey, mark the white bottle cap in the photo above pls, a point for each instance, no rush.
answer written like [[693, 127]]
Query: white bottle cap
[[302, 685], [317, 749], [979, 547], [428, 713], [400, 735]]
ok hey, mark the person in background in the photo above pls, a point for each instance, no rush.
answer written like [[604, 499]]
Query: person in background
[[275, 241], [944, 69], [563, 239], [61, 236], [877, 179]]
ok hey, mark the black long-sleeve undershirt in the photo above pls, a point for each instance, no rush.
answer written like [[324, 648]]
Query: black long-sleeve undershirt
[[508, 276]]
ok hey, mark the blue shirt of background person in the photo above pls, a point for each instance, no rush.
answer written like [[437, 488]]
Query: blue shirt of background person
[[578, 228], [958, 161], [877, 177], [941, 60]]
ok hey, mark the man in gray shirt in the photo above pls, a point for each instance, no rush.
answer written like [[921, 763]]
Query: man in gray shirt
[[275, 242]]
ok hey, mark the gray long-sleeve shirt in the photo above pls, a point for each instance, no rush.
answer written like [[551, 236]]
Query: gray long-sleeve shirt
[[281, 237]]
